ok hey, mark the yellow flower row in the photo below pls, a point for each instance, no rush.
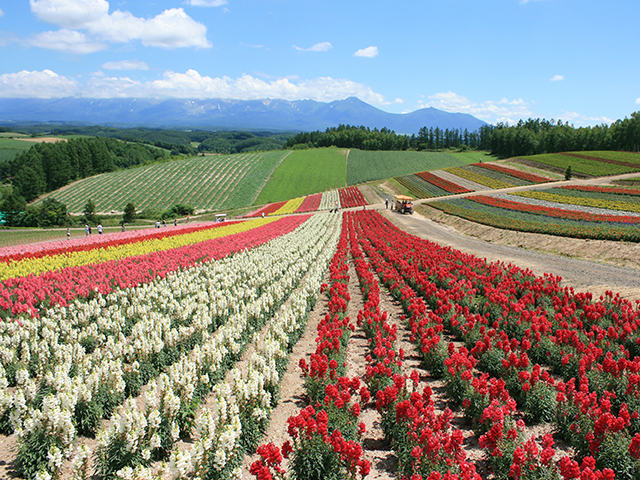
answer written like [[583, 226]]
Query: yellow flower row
[[478, 178], [583, 201], [37, 266], [289, 207]]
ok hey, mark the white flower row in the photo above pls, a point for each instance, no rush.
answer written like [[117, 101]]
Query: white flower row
[[329, 199], [250, 391], [308, 245]]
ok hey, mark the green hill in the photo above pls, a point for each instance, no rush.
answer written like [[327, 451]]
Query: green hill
[[215, 182], [304, 172], [367, 165]]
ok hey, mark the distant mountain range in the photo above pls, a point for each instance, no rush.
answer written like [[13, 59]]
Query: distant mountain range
[[300, 115]]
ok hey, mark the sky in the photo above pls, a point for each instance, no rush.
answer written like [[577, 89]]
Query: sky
[[498, 60]]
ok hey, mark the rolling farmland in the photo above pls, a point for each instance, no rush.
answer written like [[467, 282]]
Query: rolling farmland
[[206, 183]]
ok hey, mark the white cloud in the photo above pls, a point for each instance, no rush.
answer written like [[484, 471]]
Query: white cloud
[[66, 40], [638, 101], [368, 52], [172, 28], [490, 111], [126, 65], [1, 13], [557, 78], [45, 84], [207, 3], [70, 13], [318, 47], [190, 84], [580, 120]]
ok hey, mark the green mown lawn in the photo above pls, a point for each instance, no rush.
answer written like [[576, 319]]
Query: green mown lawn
[[304, 172]]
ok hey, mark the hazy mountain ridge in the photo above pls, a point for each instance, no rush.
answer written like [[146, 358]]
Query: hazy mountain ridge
[[276, 114]]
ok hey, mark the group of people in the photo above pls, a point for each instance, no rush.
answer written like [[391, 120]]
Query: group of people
[[88, 231]]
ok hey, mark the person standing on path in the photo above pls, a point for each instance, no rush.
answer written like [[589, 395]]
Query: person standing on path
[[86, 230], [99, 229], [68, 234], [386, 203]]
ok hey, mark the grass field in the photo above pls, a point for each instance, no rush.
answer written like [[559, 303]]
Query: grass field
[[304, 172], [10, 147], [473, 156], [220, 182], [364, 166]]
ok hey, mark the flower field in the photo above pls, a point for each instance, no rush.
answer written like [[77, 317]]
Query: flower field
[[514, 351], [467, 178], [152, 352], [608, 213], [161, 353], [346, 197]]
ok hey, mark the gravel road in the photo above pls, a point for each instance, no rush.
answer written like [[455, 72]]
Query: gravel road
[[582, 275]]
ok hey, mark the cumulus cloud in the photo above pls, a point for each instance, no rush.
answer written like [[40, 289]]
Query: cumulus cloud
[[557, 78], [172, 28], [638, 101], [503, 110], [1, 13], [207, 3], [66, 40], [125, 65], [318, 47], [368, 52], [44, 84], [189, 84]]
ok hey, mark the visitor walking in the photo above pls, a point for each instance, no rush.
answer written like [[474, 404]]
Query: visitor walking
[[386, 203], [86, 230], [99, 229], [68, 234]]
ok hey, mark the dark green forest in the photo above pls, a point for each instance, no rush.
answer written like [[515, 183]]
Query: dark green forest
[[364, 138], [537, 136]]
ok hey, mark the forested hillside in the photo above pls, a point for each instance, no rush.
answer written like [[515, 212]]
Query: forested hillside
[[48, 166]]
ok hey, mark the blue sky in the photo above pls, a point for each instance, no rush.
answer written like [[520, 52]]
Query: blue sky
[[499, 60]]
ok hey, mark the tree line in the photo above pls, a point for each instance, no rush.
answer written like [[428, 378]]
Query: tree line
[[365, 138], [536, 136]]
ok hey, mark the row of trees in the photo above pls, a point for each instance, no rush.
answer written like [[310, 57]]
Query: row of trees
[[530, 137], [548, 136], [48, 166], [52, 213], [365, 138]]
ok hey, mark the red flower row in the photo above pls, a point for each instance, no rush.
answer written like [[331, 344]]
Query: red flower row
[[351, 197], [442, 183], [513, 172]]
